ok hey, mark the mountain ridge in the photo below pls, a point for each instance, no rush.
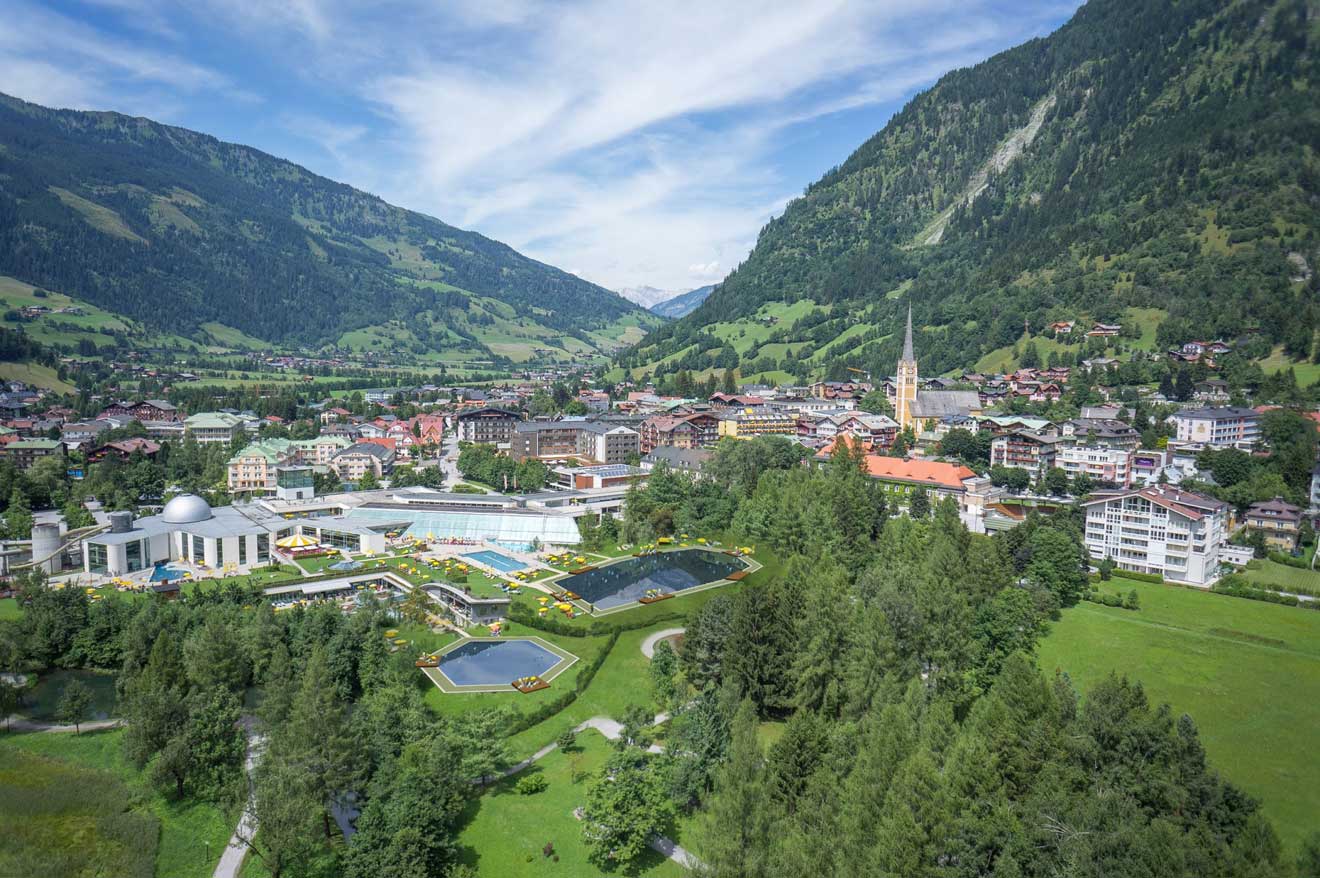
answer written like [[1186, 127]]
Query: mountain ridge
[[127, 213], [1169, 170]]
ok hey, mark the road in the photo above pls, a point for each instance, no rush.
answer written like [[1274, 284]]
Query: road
[[449, 461]]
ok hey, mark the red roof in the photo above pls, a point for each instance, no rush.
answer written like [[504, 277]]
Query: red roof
[[916, 471]]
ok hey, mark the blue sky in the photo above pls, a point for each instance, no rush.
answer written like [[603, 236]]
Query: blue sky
[[631, 143]]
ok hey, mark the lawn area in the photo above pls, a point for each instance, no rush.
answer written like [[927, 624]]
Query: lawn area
[[1280, 577], [9, 608], [1248, 672], [506, 831], [1307, 372], [36, 375], [186, 828]]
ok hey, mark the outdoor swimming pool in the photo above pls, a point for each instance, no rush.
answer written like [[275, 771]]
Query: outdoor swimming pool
[[496, 662], [166, 573], [502, 563], [629, 581]]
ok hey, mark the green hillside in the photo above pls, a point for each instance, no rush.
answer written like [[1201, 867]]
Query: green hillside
[[191, 236], [1160, 160]]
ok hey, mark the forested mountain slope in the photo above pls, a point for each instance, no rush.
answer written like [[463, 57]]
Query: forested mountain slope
[[177, 229], [1155, 155], [682, 304]]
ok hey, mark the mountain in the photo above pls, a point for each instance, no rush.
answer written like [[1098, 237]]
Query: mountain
[[190, 235], [1148, 164], [682, 304], [648, 297]]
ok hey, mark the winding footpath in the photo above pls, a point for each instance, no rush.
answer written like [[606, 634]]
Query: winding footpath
[[18, 723], [649, 644], [231, 861]]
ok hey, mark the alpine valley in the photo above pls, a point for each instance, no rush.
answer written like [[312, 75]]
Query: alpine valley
[[166, 235]]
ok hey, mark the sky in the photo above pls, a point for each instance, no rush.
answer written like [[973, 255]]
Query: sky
[[630, 143]]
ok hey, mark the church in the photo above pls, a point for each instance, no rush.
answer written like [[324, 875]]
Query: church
[[923, 409]]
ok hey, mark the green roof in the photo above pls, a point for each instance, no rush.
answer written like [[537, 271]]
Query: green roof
[[274, 450], [204, 420], [46, 444]]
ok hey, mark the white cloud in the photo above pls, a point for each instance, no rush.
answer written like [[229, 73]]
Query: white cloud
[[707, 271]]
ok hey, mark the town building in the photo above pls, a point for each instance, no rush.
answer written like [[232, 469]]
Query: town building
[[1110, 466], [1159, 530], [206, 428], [146, 410], [26, 452], [1107, 432], [921, 409], [697, 430], [1278, 520], [356, 461], [486, 425], [123, 449], [1218, 427], [550, 440], [1024, 449], [690, 461], [748, 423]]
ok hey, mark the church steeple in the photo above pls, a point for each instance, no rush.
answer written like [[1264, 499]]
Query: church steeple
[[905, 391], [908, 355]]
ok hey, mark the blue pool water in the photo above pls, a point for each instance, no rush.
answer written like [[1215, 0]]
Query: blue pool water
[[166, 573], [503, 563], [496, 662], [628, 581]]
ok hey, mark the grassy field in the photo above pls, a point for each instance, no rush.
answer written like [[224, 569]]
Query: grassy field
[[36, 375], [1248, 673], [1280, 577], [9, 608], [506, 831], [81, 764], [1307, 372]]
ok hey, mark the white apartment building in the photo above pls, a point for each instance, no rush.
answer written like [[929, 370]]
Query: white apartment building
[[1158, 529], [1109, 465], [1220, 427]]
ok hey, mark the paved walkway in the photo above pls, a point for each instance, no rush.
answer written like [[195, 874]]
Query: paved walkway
[[648, 645], [23, 724], [231, 861]]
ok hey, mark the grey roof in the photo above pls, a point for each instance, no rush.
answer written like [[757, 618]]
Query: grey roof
[[370, 448], [938, 403], [685, 457], [1218, 413]]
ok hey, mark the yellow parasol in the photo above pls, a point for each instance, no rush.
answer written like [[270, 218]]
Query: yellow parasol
[[297, 541]]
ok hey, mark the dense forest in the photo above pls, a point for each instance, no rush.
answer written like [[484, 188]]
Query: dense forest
[[1173, 166], [176, 228]]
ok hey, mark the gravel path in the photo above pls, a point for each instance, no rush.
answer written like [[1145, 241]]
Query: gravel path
[[648, 645]]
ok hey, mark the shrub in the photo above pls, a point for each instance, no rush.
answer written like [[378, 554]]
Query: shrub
[[1140, 577], [1288, 561], [1132, 601], [531, 785], [567, 741]]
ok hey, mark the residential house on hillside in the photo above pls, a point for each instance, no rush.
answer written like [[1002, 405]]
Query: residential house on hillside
[[206, 428], [1024, 449], [146, 410], [123, 449], [26, 452], [1278, 520]]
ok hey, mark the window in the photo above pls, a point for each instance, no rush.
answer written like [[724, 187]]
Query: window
[[263, 548], [198, 550], [242, 550], [96, 558], [133, 556], [219, 551]]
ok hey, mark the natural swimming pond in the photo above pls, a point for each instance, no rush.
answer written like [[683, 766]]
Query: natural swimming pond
[[502, 563], [496, 662], [628, 581], [43, 701]]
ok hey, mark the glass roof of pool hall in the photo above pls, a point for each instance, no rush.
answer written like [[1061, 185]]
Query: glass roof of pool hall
[[516, 529]]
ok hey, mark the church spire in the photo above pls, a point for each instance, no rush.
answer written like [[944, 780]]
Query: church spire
[[908, 355]]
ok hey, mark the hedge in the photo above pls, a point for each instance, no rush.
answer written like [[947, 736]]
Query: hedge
[[1289, 560], [553, 624], [549, 708], [1233, 585]]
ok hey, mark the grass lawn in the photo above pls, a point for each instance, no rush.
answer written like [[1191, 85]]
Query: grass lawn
[[36, 375], [185, 828], [1307, 372], [506, 831], [9, 608], [1248, 672], [1280, 577]]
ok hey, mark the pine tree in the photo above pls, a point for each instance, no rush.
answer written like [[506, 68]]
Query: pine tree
[[735, 832]]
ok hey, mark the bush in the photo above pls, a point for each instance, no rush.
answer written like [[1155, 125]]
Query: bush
[[1238, 587], [1289, 560], [1140, 577], [531, 784]]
